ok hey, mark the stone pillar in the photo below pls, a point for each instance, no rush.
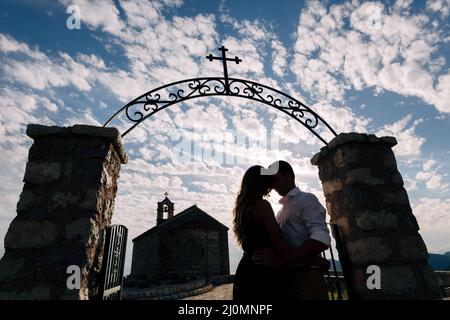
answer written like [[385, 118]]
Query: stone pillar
[[365, 197], [66, 203]]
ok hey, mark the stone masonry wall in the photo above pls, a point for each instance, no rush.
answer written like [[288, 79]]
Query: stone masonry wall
[[66, 202], [365, 196]]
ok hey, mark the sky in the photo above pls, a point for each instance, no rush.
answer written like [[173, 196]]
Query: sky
[[372, 67]]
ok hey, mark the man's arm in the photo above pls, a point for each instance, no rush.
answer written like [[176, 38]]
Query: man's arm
[[306, 254], [314, 215], [264, 214], [310, 249]]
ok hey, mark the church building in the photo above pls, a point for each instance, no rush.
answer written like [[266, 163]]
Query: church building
[[185, 246]]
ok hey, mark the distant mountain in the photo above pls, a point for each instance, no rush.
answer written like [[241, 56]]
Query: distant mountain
[[439, 261], [338, 265]]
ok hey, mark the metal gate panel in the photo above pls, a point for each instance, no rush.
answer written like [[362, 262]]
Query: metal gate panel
[[111, 284]]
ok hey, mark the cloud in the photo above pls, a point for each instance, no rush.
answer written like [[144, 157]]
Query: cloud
[[279, 56], [433, 213], [409, 143], [429, 164], [11, 45], [410, 184], [380, 49], [401, 5], [429, 175], [211, 187], [18, 108], [39, 71], [250, 123], [440, 6]]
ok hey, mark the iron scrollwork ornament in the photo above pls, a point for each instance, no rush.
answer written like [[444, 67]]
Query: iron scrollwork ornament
[[164, 96]]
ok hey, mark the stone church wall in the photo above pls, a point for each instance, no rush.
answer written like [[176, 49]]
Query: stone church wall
[[224, 253], [145, 261]]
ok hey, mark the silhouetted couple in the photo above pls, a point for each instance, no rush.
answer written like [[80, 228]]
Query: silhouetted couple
[[281, 258]]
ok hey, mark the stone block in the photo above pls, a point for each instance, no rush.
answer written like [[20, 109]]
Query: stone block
[[344, 138], [391, 141], [396, 198], [70, 294], [360, 199], [37, 130], [431, 282], [93, 152], [42, 172], [105, 132], [413, 248], [328, 206], [369, 250], [376, 220], [81, 229], [388, 161], [10, 268], [362, 175], [35, 293], [26, 201], [343, 225], [107, 179], [315, 159], [396, 180], [334, 207], [352, 155], [24, 234], [323, 151], [112, 134], [398, 281], [86, 173], [338, 159], [331, 186], [85, 199], [372, 138]]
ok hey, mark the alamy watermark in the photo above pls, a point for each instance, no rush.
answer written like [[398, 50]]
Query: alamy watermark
[[73, 22], [374, 280], [74, 279], [226, 147]]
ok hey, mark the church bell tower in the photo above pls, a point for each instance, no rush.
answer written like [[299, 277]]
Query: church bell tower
[[165, 208]]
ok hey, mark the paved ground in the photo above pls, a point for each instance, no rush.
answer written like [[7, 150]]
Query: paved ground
[[223, 292]]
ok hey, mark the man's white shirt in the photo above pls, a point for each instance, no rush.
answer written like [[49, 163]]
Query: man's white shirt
[[302, 217]]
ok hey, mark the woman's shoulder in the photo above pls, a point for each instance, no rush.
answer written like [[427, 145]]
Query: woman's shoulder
[[261, 207], [261, 204]]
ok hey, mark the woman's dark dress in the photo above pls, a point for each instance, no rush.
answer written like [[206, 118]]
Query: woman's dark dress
[[251, 281]]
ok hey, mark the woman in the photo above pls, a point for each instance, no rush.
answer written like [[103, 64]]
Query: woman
[[255, 228]]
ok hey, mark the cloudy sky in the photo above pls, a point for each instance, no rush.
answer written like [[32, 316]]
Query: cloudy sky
[[378, 67]]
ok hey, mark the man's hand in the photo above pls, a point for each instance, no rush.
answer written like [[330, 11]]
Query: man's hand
[[320, 262], [267, 257]]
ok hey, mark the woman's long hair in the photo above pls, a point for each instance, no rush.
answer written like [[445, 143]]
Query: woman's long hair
[[254, 186]]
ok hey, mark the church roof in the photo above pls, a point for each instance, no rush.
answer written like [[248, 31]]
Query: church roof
[[180, 218]]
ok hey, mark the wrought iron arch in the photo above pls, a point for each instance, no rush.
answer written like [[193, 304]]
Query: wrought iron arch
[[164, 96]]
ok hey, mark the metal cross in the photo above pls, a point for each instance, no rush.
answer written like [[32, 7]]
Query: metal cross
[[166, 194], [224, 59]]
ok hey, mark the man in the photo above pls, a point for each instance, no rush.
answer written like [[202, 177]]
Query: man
[[302, 221]]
